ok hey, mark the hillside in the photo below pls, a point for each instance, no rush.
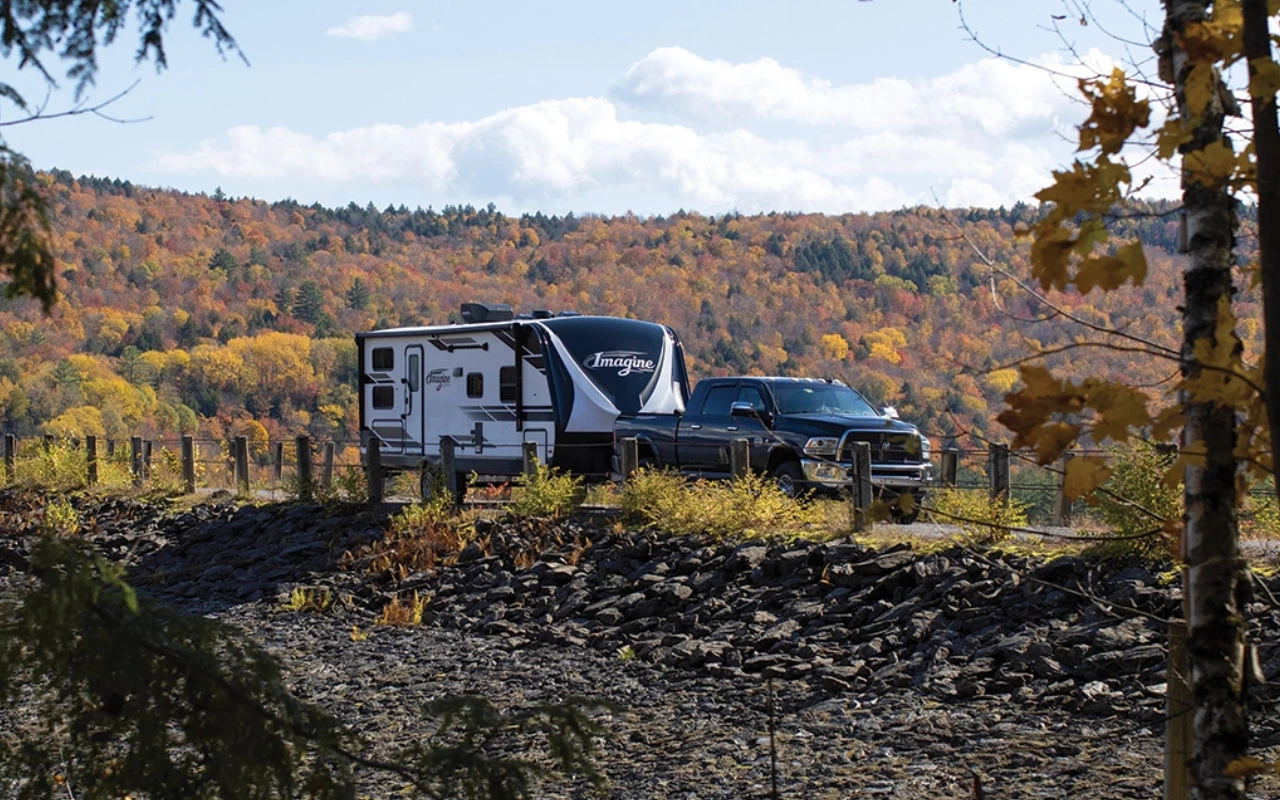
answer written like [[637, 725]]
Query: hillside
[[194, 314]]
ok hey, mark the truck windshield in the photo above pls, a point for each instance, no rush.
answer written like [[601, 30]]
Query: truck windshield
[[821, 398]]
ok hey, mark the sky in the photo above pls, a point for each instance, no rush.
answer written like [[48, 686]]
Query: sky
[[827, 106]]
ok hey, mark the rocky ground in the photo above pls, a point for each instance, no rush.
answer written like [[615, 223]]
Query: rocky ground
[[881, 673]]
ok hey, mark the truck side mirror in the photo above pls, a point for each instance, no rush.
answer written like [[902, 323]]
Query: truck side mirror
[[890, 412], [743, 409]]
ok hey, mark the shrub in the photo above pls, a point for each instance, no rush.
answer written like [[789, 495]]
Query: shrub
[[60, 518], [981, 519], [749, 506], [1135, 500], [547, 493], [349, 486], [1261, 517], [59, 465]]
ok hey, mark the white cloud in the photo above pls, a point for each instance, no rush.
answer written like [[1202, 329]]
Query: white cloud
[[751, 137], [372, 28]]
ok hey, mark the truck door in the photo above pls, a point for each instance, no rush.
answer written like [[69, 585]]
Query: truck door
[[703, 439], [413, 413], [752, 429]]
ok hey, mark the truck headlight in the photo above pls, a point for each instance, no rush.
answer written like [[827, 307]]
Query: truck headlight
[[821, 446], [925, 449]]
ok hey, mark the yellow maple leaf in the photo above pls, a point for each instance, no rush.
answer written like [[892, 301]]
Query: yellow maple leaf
[[1211, 165], [1247, 766], [1052, 440], [1265, 80], [1083, 475], [1120, 408], [1170, 136], [1116, 113], [1201, 85]]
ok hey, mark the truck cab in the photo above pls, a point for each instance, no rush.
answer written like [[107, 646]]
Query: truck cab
[[799, 431]]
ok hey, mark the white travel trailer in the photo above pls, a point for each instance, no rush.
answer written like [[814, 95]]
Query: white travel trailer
[[497, 381]]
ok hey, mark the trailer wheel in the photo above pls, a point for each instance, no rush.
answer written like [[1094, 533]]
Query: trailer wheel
[[790, 478], [430, 483]]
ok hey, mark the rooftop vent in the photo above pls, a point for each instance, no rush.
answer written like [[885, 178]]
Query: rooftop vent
[[487, 312]]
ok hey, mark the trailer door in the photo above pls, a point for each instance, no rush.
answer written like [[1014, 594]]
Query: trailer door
[[413, 416]]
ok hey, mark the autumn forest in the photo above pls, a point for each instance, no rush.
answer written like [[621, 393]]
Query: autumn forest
[[200, 314]]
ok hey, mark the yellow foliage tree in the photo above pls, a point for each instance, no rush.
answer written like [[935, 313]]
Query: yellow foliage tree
[[834, 346]]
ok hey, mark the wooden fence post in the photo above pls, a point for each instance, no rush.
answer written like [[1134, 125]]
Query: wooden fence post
[[135, 459], [739, 457], [529, 459], [326, 470], [242, 464], [630, 461], [277, 462], [448, 465], [91, 459], [1179, 710], [1061, 503], [950, 466], [303, 444], [10, 453], [373, 469], [188, 464], [860, 485], [998, 471], [48, 442], [146, 459]]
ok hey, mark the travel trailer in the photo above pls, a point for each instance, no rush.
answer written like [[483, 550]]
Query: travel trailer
[[498, 380]]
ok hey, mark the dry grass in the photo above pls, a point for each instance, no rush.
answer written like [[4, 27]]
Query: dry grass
[[404, 612], [420, 537]]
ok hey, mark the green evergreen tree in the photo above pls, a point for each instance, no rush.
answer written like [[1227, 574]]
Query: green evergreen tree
[[308, 303], [358, 294]]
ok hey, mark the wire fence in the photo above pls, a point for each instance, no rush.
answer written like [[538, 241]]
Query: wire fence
[[337, 468]]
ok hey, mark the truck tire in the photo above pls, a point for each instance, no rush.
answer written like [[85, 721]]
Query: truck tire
[[790, 478], [901, 517]]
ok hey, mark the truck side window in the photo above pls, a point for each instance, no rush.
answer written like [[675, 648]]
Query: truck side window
[[384, 396], [751, 394], [383, 358], [719, 399], [475, 384]]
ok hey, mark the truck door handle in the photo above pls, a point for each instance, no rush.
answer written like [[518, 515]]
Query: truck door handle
[[695, 427], [732, 428]]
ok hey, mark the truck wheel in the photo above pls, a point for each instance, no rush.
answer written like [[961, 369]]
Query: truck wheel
[[901, 517], [790, 478]]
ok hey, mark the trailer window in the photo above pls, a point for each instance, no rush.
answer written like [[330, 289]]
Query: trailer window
[[415, 370], [475, 384], [383, 358], [384, 396], [507, 385]]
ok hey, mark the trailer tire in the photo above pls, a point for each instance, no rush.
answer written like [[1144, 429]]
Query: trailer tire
[[430, 483]]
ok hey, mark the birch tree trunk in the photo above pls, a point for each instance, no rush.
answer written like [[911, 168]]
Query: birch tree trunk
[[1216, 627], [1266, 145]]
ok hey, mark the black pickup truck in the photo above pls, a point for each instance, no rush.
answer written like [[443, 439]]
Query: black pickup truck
[[798, 431]]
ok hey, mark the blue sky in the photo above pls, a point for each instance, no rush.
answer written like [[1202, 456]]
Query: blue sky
[[830, 105]]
